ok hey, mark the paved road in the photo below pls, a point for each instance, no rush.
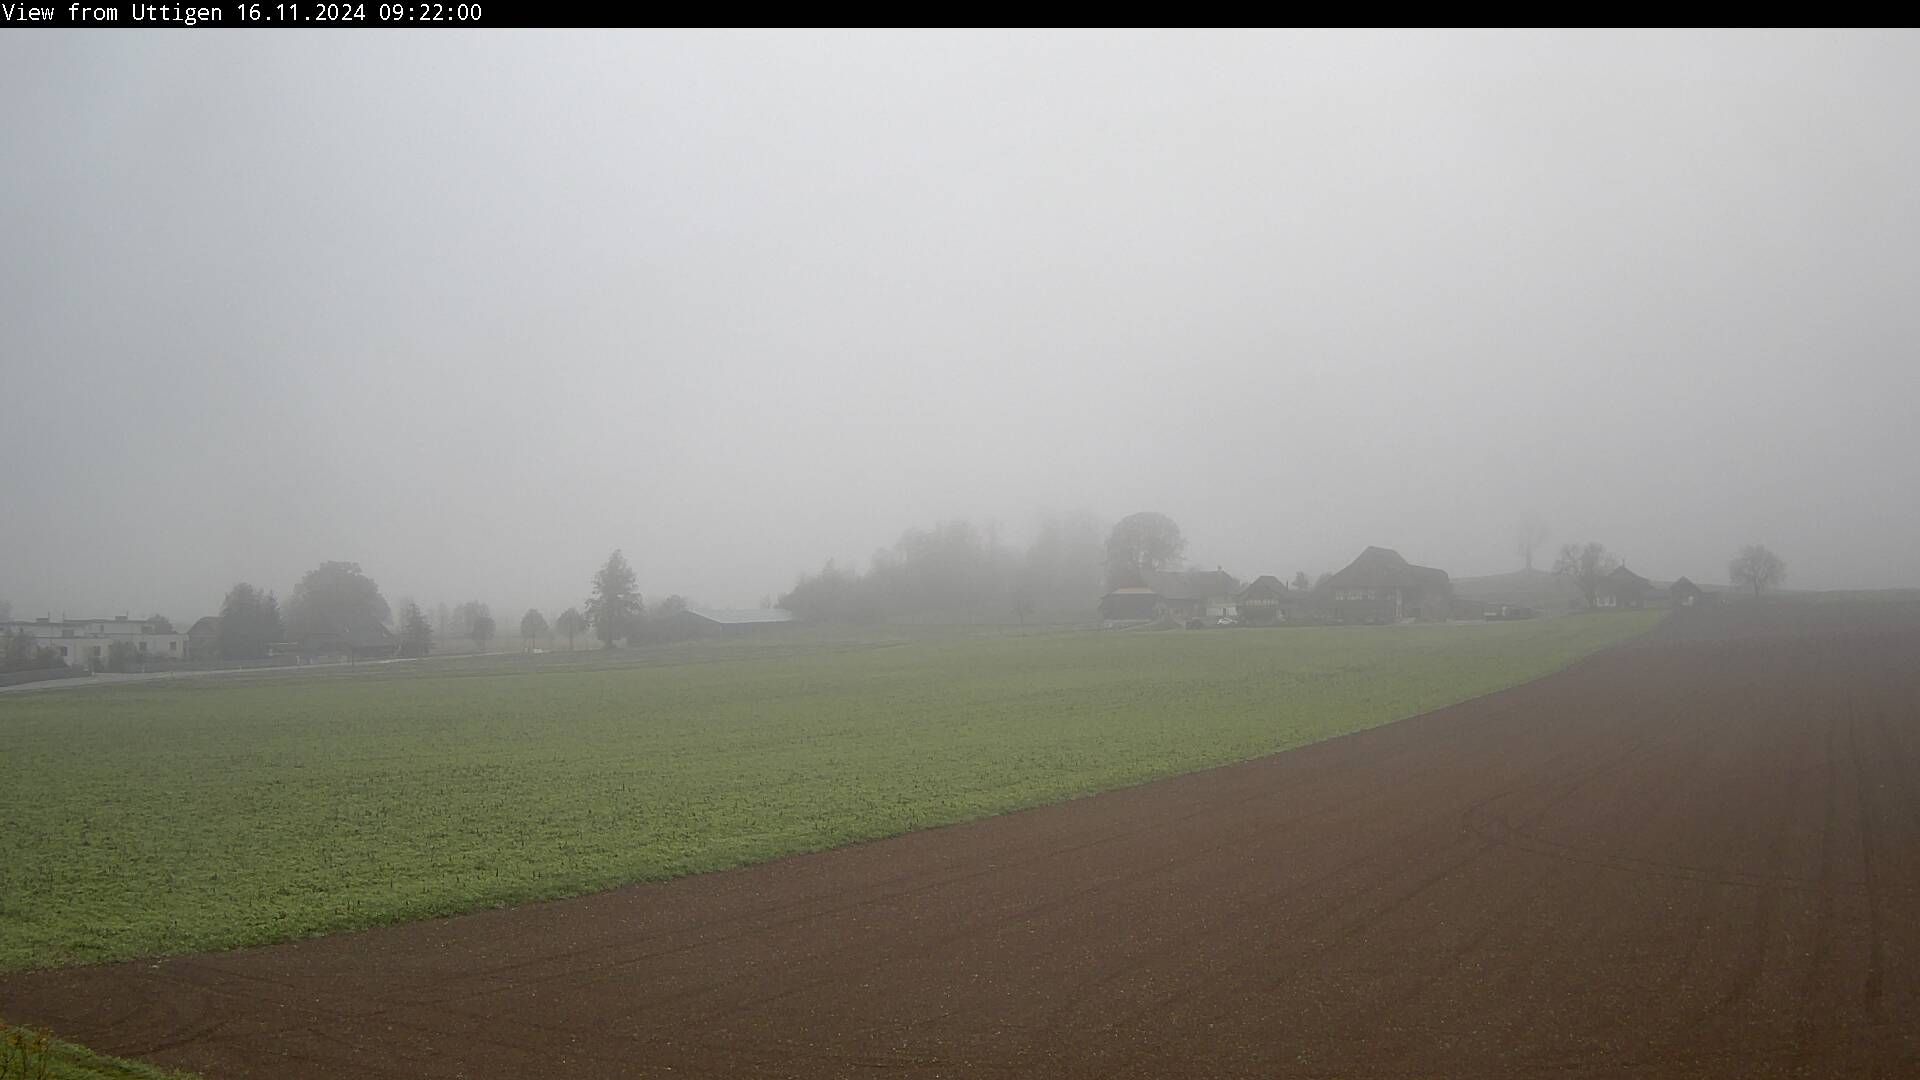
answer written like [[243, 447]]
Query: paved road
[[1698, 856], [116, 679]]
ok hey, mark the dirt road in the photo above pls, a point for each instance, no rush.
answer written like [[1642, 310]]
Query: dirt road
[[1695, 856]]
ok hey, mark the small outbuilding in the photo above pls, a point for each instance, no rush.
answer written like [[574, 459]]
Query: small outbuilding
[[1135, 603]]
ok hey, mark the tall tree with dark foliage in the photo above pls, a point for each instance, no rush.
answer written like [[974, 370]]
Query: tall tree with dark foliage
[[249, 623], [1139, 543], [335, 598], [614, 607]]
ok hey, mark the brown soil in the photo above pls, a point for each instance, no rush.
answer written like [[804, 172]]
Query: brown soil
[[1698, 855]]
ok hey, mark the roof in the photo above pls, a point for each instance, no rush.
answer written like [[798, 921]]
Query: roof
[[1623, 578], [1266, 587], [1683, 584], [206, 623], [122, 625], [1190, 584], [741, 616], [1383, 568], [111, 620]]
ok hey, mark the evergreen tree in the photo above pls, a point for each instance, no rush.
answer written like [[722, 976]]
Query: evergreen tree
[[614, 607]]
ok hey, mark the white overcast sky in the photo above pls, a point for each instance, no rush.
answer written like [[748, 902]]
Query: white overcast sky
[[473, 309]]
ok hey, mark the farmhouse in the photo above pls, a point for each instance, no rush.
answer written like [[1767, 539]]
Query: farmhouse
[[1382, 587], [83, 642], [1193, 594], [727, 622], [1268, 601], [1172, 594], [1622, 589], [1684, 593]]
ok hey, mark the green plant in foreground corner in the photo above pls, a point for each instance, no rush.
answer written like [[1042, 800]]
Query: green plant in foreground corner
[[26, 1055], [33, 1054]]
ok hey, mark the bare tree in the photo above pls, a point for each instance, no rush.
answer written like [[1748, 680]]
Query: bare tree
[[1756, 568], [1585, 565], [1528, 535]]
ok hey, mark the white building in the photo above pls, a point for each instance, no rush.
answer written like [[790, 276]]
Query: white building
[[84, 642]]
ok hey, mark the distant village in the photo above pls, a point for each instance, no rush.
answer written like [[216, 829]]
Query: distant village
[[1377, 588], [338, 616]]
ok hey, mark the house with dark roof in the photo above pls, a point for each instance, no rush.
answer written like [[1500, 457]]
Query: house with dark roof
[[1622, 588], [1382, 587], [1268, 601], [1193, 594], [1183, 595], [1685, 594]]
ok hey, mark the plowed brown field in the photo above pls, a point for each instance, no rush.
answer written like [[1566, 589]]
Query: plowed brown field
[[1697, 855]]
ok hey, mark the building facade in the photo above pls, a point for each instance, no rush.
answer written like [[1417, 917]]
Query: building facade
[[87, 642]]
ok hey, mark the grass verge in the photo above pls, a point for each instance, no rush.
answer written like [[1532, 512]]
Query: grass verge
[[28, 1054]]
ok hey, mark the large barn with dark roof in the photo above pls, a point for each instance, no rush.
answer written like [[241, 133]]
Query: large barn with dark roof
[[1382, 587]]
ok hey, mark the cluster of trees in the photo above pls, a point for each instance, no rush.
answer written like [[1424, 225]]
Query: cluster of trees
[[1588, 564], [955, 568], [22, 652]]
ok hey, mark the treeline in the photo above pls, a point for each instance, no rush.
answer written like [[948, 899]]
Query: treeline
[[957, 569]]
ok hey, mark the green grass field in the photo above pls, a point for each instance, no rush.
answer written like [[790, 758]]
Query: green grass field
[[175, 817]]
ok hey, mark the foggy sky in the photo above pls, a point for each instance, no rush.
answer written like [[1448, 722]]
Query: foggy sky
[[473, 309]]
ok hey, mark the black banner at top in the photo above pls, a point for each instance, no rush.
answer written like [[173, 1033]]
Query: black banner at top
[[267, 14]]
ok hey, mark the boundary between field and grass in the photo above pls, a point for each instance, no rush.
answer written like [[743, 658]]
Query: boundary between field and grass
[[33, 1054], [457, 791]]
